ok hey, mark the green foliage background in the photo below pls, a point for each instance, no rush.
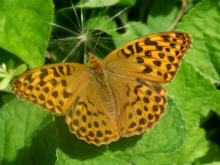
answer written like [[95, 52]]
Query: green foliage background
[[188, 133]]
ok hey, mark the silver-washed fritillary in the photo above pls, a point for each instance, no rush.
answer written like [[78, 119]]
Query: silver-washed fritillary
[[120, 96]]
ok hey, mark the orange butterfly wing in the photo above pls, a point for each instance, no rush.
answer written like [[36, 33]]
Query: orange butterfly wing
[[134, 72], [68, 89], [154, 57], [48, 85]]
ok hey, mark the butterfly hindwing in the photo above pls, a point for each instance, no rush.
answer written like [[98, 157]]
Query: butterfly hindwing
[[90, 116], [140, 103]]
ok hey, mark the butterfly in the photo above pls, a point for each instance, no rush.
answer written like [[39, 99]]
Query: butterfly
[[120, 96]]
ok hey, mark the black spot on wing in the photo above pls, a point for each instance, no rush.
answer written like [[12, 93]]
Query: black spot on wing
[[166, 38], [140, 60], [148, 54], [130, 47], [55, 73], [147, 69], [66, 94], [125, 54], [159, 48], [44, 74], [149, 42], [138, 48], [60, 68]]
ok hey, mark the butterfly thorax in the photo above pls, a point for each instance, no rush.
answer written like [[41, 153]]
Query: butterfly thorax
[[96, 69]]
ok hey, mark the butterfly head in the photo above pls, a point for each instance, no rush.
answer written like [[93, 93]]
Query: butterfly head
[[95, 66], [91, 58]]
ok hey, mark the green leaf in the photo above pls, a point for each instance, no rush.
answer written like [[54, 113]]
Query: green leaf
[[27, 134], [24, 29], [133, 31], [100, 23], [8, 58], [203, 24], [161, 17], [126, 2], [95, 3], [143, 160], [20, 69], [4, 82], [10, 66], [191, 89], [166, 136], [211, 156], [195, 95]]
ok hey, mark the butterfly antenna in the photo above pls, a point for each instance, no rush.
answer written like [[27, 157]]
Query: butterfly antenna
[[52, 37], [100, 32]]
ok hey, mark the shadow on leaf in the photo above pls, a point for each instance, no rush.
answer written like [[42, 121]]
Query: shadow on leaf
[[79, 149]]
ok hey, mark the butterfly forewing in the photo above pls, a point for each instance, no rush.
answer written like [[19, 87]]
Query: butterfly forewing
[[53, 87], [155, 57]]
